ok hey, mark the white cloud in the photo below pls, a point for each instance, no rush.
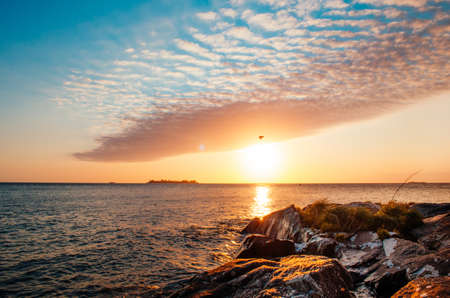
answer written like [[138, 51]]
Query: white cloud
[[228, 12], [282, 20], [243, 33], [277, 3], [195, 49], [335, 4], [207, 16], [413, 3]]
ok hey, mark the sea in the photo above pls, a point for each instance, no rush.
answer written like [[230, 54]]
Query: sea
[[134, 239]]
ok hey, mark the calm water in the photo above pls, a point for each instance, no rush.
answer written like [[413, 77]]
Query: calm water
[[94, 239]]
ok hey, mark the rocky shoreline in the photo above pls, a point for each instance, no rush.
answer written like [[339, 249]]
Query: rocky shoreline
[[284, 255]]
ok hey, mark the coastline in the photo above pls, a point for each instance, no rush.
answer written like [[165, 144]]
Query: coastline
[[359, 263]]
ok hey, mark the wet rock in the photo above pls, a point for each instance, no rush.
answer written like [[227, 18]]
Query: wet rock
[[261, 246], [301, 276], [426, 287], [372, 207], [431, 209], [283, 224], [435, 233]]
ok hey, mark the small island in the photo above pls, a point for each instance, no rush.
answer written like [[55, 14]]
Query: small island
[[161, 181]]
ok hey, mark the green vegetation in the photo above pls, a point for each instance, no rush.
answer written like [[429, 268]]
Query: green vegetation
[[393, 216]]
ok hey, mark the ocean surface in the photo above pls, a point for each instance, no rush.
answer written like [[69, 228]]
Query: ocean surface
[[131, 239]]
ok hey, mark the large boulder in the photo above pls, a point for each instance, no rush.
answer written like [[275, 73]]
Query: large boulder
[[426, 287], [431, 209], [299, 276], [435, 232], [284, 224], [261, 246]]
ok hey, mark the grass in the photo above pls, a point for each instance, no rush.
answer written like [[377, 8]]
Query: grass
[[393, 216]]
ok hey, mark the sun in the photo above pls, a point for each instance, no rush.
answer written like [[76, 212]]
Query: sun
[[261, 161]]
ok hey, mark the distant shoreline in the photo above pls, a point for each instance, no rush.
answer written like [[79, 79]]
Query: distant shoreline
[[162, 181], [237, 183]]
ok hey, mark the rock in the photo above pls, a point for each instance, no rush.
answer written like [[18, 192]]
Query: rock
[[356, 258], [362, 251], [283, 224], [252, 227], [365, 239], [322, 246], [404, 260], [301, 276], [426, 287], [363, 292], [435, 233], [431, 209], [261, 246], [372, 207], [308, 233]]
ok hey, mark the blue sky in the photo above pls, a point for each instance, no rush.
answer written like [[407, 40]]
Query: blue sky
[[126, 79]]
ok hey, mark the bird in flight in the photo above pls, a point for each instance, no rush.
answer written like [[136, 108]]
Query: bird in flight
[[261, 137]]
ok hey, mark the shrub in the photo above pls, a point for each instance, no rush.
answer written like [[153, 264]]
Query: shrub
[[394, 208], [337, 218], [313, 214]]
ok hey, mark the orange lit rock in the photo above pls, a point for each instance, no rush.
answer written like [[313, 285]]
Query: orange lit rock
[[301, 276], [426, 287]]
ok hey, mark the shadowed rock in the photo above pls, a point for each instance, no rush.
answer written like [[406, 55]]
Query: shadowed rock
[[435, 233], [301, 276], [260, 246], [321, 246], [404, 260], [431, 209], [426, 287], [283, 224]]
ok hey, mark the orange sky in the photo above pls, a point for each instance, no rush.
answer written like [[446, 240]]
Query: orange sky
[[384, 149]]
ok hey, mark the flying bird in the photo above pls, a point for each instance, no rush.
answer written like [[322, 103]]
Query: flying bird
[[261, 137]]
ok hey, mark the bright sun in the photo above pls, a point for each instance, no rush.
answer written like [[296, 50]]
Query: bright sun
[[261, 161]]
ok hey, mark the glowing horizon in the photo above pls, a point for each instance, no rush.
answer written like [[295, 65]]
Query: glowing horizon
[[342, 91]]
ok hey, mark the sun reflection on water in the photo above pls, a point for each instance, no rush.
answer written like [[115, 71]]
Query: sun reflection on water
[[261, 202]]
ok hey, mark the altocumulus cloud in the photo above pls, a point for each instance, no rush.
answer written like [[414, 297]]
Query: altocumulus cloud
[[281, 69]]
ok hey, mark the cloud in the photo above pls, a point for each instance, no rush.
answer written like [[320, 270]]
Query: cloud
[[195, 49], [413, 3], [230, 127], [280, 70], [207, 16], [228, 12]]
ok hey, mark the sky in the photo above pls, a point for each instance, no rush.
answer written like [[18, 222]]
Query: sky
[[342, 90]]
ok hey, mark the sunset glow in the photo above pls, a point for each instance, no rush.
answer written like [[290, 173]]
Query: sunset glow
[[128, 91], [261, 161], [262, 201]]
